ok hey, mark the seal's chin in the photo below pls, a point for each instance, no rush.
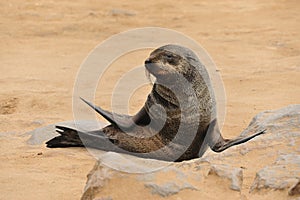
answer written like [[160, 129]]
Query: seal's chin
[[150, 77]]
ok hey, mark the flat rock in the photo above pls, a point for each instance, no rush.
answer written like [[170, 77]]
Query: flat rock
[[283, 174], [273, 171]]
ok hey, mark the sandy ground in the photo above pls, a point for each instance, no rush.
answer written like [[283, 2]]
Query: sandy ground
[[255, 45]]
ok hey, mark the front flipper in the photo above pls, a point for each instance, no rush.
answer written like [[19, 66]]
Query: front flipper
[[218, 144], [226, 143]]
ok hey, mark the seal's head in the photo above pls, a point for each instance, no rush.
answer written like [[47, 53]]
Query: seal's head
[[181, 78], [171, 60]]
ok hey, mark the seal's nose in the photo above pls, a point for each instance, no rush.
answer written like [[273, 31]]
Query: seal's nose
[[148, 61]]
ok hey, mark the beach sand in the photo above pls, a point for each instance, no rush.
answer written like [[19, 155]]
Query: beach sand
[[255, 45]]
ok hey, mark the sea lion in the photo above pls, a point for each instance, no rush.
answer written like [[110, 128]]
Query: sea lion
[[177, 122]]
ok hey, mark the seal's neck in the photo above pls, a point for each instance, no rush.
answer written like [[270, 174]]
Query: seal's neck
[[169, 93]]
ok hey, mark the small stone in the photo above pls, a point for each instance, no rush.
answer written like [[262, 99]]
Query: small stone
[[38, 122], [119, 12], [244, 150]]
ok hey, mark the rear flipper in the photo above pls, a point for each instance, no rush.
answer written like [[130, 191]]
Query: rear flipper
[[73, 138], [68, 138]]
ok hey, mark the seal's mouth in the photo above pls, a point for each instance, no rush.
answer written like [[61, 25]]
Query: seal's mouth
[[155, 69]]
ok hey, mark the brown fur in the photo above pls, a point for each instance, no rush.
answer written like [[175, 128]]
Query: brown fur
[[181, 97]]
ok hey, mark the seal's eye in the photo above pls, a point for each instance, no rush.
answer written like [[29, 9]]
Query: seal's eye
[[171, 58]]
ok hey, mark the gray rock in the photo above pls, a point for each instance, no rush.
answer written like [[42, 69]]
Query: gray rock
[[283, 174], [283, 126], [97, 179], [279, 123], [128, 164], [280, 171], [168, 188], [42, 134], [197, 176], [235, 175]]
